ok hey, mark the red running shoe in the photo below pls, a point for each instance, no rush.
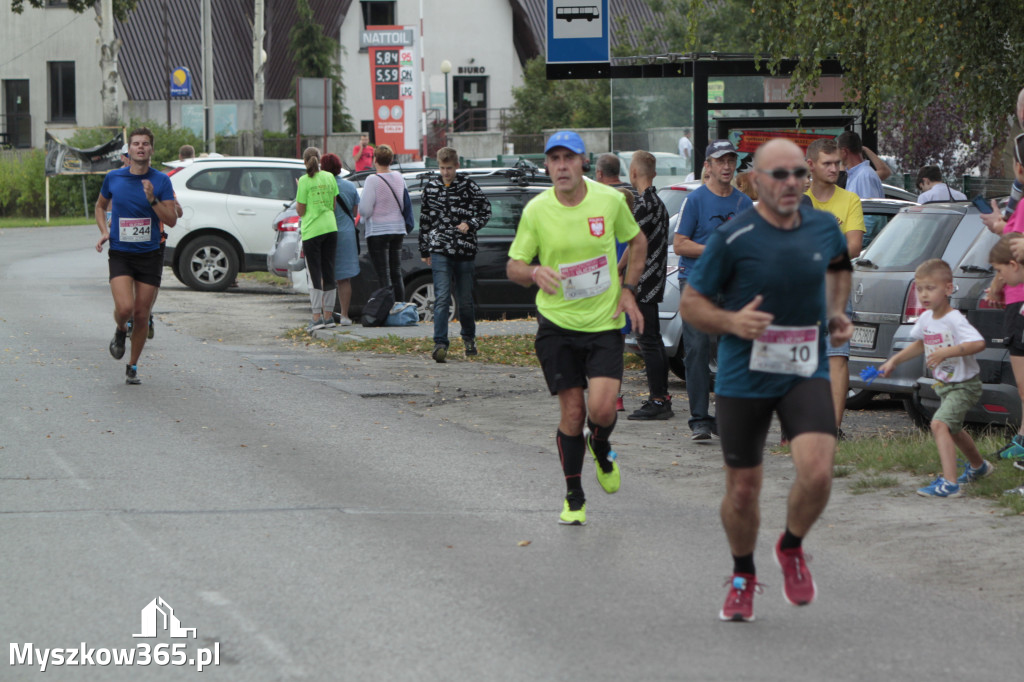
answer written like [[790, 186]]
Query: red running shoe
[[619, 406], [798, 587], [739, 604]]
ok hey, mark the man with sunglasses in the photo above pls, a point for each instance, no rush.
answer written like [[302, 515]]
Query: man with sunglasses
[[782, 271], [707, 207]]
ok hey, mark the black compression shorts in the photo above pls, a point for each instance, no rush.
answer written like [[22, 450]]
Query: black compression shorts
[[743, 422], [568, 357], [147, 268]]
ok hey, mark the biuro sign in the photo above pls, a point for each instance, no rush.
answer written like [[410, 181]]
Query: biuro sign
[[392, 84]]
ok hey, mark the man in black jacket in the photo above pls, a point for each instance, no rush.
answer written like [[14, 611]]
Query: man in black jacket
[[652, 217], [453, 209]]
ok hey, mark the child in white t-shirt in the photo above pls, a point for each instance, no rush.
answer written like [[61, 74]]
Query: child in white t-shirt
[[949, 344]]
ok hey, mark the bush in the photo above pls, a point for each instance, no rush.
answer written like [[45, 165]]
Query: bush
[[23, 180]]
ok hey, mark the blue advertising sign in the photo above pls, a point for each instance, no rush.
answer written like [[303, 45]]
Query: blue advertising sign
[[181, 82], [578, 31]]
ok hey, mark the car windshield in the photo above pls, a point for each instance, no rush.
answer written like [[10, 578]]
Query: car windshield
[[908, 240]]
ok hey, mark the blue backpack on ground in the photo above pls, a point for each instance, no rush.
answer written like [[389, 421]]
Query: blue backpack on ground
[[403, 315]]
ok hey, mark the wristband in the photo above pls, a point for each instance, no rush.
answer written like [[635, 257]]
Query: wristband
[[533, 273], [154, 202], [630, 287]]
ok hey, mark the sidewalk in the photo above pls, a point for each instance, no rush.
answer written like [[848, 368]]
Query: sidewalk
[[356, 332]]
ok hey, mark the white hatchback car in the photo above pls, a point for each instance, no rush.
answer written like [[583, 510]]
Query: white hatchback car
[[227, 204]]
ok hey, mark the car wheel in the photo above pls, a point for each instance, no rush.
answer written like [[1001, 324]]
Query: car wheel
[[858, 398], [919, 414], [208, 264], [421, 292]]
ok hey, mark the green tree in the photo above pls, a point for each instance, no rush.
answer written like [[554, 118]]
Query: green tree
[[540, 103], [121, 7], [315, 55]]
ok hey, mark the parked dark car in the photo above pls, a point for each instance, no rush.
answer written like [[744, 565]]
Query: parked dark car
[[885, 307], [508, 190]]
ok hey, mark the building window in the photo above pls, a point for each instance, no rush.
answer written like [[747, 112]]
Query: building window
[[377, 13], [57, 3], [62, 91]]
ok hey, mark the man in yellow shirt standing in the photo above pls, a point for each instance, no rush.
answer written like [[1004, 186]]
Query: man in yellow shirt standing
[[570, 230], [823, 161]]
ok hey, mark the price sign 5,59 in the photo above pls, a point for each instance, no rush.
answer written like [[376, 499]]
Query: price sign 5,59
[[385, 74]]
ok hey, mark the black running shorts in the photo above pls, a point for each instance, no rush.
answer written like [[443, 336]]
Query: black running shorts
[[569, 358], [147, 267], [1013, 329], [743, 422]]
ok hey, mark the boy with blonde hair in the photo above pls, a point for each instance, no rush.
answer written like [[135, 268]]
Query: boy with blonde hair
[[949, 344]]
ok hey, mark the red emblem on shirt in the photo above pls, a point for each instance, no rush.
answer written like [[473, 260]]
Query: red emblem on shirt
[[596, 226]]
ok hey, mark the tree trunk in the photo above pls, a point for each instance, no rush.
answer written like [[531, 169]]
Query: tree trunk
[[258, 70], [109, 47]]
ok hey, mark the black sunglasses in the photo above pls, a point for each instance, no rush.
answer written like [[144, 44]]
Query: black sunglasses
[[782, 174]]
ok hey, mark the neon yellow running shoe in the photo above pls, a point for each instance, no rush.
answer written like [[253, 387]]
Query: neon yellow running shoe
[[611, 480], [574, 511]]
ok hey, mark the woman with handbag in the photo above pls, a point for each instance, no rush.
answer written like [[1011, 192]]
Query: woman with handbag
[[382, 206], [314, 202], [346, 257]]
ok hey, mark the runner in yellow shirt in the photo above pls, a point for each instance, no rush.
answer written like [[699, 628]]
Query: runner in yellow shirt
[[581, 307]]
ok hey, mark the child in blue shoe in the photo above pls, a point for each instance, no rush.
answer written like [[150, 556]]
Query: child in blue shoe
[[949, 344]]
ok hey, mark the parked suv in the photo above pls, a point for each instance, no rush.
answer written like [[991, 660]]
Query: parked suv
[[227, 203], [885, 307]]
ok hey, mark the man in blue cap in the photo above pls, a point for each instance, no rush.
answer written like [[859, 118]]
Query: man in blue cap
[[565, 244], [710, 205]]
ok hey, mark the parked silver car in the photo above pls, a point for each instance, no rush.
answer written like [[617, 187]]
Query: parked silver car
[[885, 308]]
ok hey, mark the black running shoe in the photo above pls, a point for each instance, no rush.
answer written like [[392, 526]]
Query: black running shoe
[[150, 333], [117, 344], [652, 410], [131, 375], [470, 347], [440, 352]]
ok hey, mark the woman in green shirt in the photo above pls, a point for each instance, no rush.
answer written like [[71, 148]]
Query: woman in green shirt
[[314, 201]]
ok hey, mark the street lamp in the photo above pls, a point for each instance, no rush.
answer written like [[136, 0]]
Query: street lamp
[[446, 68]]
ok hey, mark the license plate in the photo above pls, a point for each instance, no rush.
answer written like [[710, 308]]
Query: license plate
[[863, 337]]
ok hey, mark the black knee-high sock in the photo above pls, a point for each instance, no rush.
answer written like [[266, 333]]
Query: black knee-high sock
[[570, 452], [599, 436]]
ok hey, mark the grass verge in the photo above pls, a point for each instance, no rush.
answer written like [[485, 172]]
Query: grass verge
[[875, 460], [265, 277], [41, 222], [516, 350]]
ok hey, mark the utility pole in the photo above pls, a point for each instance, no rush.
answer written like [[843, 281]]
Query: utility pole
[[259, 59], [208, 98]]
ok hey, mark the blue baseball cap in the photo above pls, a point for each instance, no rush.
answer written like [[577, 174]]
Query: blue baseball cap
[[720, 148], [568, 139]]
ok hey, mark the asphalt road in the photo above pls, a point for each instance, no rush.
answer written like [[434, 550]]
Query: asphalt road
[[311, 528]]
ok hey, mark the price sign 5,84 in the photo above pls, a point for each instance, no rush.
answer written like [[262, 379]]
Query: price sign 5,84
[[386, 57]]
